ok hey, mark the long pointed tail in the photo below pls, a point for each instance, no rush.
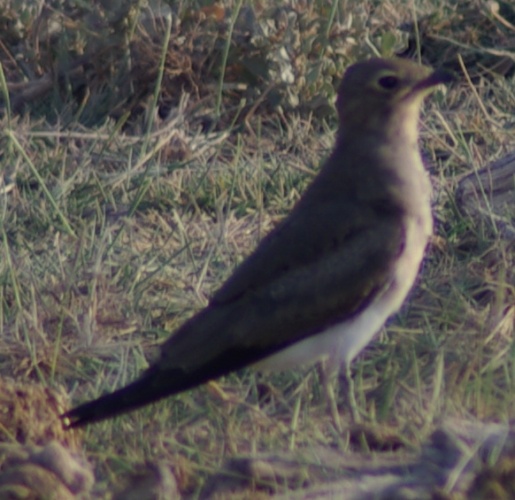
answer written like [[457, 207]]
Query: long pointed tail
[[155, 384]]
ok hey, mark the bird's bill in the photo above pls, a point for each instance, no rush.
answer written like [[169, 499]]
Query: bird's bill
[[437, 77]]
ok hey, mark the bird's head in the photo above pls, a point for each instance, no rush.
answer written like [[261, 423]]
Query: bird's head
[[379, 93]]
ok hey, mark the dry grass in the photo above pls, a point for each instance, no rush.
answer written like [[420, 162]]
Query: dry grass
[[118, 223]]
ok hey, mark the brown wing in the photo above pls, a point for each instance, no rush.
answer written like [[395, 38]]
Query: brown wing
[[309, 273]]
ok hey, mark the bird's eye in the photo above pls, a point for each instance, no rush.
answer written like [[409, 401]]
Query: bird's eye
[[388, 82]]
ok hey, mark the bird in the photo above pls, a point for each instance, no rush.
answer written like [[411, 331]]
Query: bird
[[324, 281]]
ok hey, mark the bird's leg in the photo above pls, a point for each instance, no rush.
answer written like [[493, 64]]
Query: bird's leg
[[350, 394], [328, 373]]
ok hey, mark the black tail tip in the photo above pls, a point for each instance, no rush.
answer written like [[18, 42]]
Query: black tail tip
[[69, 421], [85, 414]]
